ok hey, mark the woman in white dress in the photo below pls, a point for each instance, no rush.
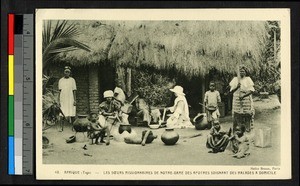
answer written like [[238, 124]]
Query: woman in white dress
[[180, 111], [67, 95]]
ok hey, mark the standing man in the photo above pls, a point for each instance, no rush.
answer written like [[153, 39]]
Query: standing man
[[67, 96]]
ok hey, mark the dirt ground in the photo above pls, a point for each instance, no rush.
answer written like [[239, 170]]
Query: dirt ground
[[187, 151]]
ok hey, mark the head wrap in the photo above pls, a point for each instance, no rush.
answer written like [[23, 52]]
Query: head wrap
[[67, 68], [243, 67], [108, 94]]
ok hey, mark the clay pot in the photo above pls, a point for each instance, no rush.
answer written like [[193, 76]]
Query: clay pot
[[124, 127], [200, 121], [81, 123], [45, 140], [170, 137]]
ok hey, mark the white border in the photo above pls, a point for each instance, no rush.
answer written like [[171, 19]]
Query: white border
[[46, 171]]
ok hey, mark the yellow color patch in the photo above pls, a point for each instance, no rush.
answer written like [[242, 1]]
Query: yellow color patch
[[11, 75]]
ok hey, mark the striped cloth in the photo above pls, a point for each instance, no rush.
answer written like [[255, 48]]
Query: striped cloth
[[242, 106], [245, 105]]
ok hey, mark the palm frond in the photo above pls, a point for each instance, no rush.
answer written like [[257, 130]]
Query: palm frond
[[59, 28], [60, 39], [46, 34], [64, 44], [66, 49], [70, 31]]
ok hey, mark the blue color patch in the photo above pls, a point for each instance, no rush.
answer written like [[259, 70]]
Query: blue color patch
[[11, 155]]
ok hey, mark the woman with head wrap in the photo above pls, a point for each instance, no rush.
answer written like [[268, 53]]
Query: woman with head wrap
[[242, 88], [67, 95]]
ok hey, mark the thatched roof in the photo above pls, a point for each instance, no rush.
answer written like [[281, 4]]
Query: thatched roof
[[192, 47]]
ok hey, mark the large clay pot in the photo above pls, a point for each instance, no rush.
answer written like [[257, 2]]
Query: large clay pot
[[200, 121], [45, 142], [169, 137], [124, 127], [81, 123]]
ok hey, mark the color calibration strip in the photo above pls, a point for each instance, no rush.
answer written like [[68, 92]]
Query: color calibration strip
[[20, 96], [11, 148]]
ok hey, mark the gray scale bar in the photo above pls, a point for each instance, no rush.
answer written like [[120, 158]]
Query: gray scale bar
[[18, 106], [28, 99], [28, 24], [28, 59], [27, 151]]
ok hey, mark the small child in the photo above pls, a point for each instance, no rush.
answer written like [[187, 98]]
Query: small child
[[95, 131], [217, 140], [211, 100], [239, 143]]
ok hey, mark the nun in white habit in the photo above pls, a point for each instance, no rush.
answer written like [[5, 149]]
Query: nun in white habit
[[180, 111]]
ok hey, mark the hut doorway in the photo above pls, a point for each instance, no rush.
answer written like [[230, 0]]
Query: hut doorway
[[194, 89], [107, 75]]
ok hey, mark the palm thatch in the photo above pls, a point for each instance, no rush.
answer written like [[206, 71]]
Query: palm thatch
[[191, 47]]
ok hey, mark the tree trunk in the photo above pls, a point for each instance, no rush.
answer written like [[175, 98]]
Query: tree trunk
[[120, 79], [274, 32], [93, 92], [203, 79], [128, 82]]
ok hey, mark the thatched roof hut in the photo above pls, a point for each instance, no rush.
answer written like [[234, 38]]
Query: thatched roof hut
[[191, 47]]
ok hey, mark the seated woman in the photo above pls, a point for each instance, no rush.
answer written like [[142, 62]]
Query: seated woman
[[180, 111], [217, 140], [239, 143], [125, 107], [108, 109], [143, 111], [119, 95]]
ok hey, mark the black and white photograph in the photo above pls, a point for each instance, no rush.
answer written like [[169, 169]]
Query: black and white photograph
[[163, 94]]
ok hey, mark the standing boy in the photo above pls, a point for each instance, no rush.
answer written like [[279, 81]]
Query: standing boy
[[211, 100]]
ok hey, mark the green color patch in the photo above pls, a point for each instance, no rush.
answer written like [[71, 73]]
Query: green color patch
[[11, 115]]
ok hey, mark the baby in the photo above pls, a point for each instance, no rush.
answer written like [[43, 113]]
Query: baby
[[239, 143]]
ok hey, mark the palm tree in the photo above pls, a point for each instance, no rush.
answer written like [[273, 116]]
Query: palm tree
[[58, 40], [55, 41]]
